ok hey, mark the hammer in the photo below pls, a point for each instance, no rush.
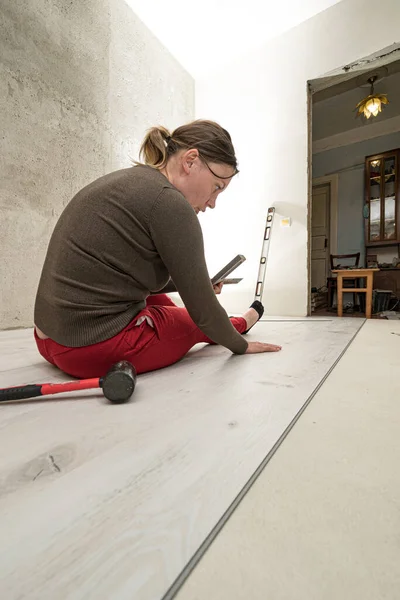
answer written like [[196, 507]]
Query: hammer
[[118, 386]]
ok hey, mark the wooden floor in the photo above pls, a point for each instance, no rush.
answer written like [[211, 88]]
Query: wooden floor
[[322, 521], [113, 502]]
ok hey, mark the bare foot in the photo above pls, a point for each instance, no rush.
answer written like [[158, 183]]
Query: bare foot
[[251, 316]]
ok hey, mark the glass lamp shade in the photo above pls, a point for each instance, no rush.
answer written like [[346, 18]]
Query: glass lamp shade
[[372, 105]]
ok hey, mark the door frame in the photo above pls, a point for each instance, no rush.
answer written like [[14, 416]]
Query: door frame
[[362, 66]]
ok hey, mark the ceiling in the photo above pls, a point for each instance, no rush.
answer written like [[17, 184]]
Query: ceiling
[[337, 114], [381, 64], [205, 35]]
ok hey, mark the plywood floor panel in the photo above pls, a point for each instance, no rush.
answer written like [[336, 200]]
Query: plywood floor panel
[[101, 501]]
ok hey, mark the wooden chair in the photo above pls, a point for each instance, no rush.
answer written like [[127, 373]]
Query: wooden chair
[[332, 280], [372, 260]]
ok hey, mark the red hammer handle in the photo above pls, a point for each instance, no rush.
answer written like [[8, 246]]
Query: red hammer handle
[[70, 386], [46, 389]]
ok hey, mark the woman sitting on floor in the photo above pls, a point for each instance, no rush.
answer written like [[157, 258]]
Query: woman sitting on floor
[[127, 235]]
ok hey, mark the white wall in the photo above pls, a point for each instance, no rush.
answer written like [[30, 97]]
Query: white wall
[[262, 100]]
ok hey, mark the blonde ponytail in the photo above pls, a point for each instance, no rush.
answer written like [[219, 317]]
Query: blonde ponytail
[[153, 150]]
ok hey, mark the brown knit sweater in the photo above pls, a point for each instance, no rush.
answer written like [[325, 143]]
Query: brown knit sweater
[[119, 239]]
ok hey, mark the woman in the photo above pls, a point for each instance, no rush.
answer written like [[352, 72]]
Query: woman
[[131, 234]]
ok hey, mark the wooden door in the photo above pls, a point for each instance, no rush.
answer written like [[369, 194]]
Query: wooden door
[[320, 250]]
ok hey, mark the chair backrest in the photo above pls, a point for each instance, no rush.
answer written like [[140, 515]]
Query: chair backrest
[[335, 257], [372, 260]]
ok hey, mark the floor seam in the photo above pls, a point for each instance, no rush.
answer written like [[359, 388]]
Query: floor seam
[[194, 561]]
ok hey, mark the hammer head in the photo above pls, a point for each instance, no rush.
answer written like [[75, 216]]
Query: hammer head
[[119, 383]]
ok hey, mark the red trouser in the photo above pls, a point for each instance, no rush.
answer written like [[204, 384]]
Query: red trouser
[[147, 348]]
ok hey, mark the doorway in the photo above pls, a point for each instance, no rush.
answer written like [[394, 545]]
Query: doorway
[[338, 148]]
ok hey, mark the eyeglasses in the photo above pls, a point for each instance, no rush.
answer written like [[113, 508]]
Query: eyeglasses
[[215, 174], [173, 146]]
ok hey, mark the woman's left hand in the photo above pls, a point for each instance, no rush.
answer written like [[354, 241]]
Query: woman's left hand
[[218, 288]]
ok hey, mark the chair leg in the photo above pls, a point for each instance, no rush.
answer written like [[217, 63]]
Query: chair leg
[[339, 292], [368, 299], [332, 294]]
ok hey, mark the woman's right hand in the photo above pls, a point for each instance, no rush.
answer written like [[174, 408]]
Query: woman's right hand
[[258, 347]]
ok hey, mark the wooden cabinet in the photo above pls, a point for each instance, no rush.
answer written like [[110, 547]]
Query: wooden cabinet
[[382, 191], [388, 279]]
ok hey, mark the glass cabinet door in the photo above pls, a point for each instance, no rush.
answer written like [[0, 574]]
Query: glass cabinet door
[[389, 199], [375, 168]]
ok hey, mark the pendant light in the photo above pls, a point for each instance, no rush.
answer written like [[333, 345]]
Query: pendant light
[[372, 104]]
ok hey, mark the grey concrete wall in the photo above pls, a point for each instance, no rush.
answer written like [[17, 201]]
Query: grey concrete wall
[[147, 86], [80, 84], [348, 162]]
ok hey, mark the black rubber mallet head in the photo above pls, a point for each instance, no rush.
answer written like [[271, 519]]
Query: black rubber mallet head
[[119, 383], [118, 386]]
